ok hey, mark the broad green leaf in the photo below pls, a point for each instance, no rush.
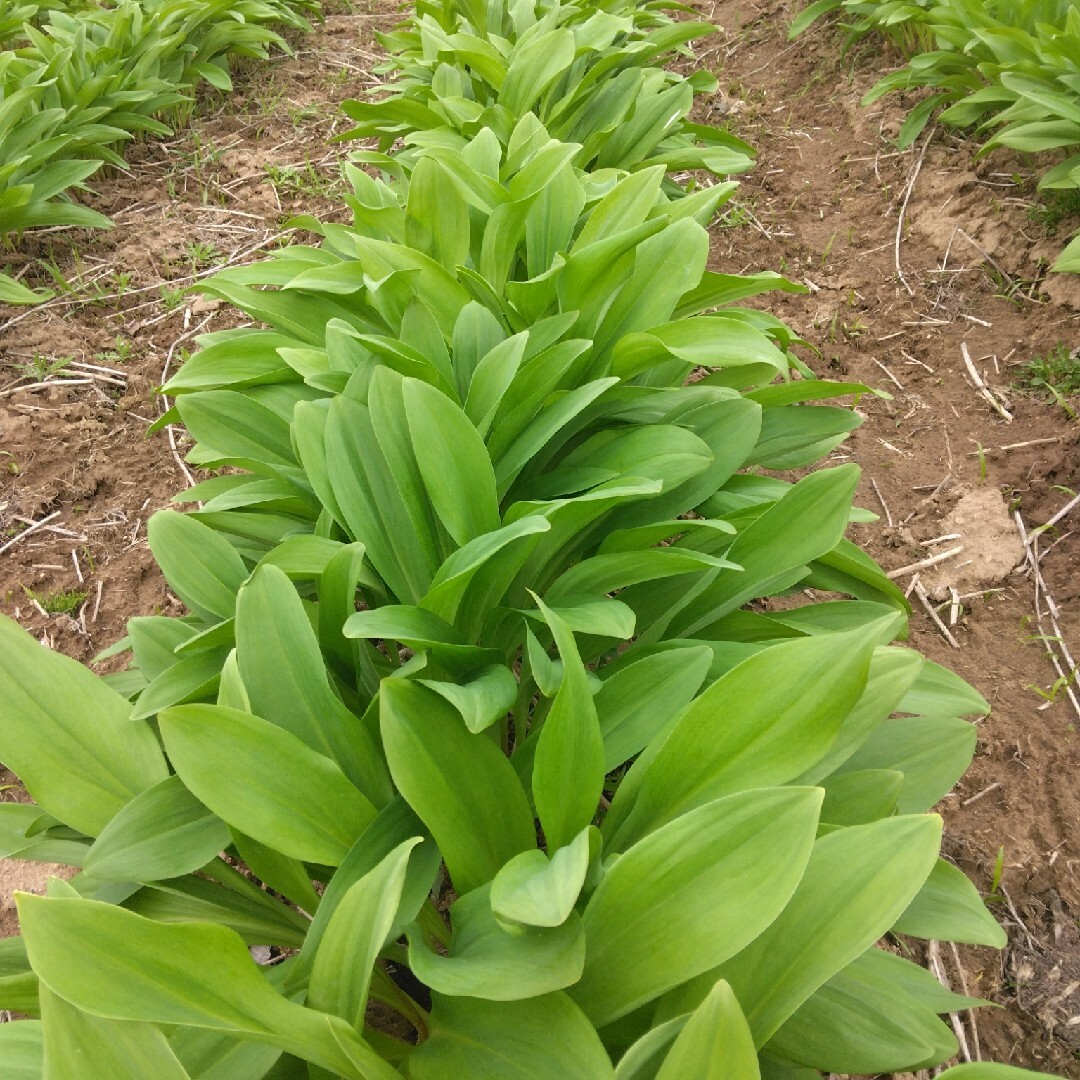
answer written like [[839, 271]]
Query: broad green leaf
[[568, 771], [286, 680], [949, 908], [162, 833], [534, 890], [763, 723], [888, 969], [199, 564], [280, 872], [533, 67], [354, 937], [486, 960], [68, 737], [395, 825], [478, 826], [939, 692], [453, 462], [483, 699], [856, 883], [807, 522], [436, 217], [544, 1038], [236, 426], [931, 751], [108, 962], [386, 511], [637, 701], [985, 1070], [79, 1046], [740, 857], [715, 1044], [22, 1046], [226, 757], [856, 1023]]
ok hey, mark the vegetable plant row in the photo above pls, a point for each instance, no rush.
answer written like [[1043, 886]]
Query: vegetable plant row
[[77, 81], [478, 718], [1009, 70]]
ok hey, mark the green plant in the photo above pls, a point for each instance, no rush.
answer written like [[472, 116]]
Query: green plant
[[1008, 70], [200, 254], [42, 366], [58, 602], [121, 352], [86, 79], [1059, 369], [172, 297], [480, 556]]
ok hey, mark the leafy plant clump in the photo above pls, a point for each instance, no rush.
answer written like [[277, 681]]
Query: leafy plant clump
[[1010, 71], [79, 80], [470, 721]]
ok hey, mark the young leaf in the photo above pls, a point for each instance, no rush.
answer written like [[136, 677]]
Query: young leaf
[[715, 1042], [222, 755], [568, 773], [543, 1038], [68, 737], [108, 961], [486, 960], [741, 856], [164, 832], [534, 890], [479, 825], [354, 937]]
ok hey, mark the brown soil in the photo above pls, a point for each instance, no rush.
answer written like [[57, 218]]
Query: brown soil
[[823, 206]]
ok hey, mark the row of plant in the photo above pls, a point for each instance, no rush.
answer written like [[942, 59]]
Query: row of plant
[[484, 716], [1010, 71], [78, 81]]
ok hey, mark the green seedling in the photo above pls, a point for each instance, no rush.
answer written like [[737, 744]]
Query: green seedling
[[59, 602]]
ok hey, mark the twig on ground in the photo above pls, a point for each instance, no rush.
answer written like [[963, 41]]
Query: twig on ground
[[903, 210], [981, 386], [97, 599], [939, 539], [892, 378], [1070, 505], [938, 969], [1067, 673], [924, 599], [28, 530], [881, 499], [979, 794], [973, 1019], [924, 564]]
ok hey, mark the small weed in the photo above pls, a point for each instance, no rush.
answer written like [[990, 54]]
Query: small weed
[[60, 602], [200, 254], [120, 353], [171, 298], [994, 896], [1055, 206], [41, 367], [306, 181], [1056, 375]]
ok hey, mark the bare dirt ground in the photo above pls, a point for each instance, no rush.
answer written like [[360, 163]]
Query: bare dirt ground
[[824, 205]]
